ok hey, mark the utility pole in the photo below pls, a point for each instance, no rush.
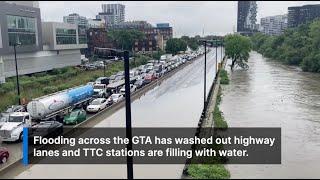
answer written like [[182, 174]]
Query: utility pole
[[205, 77], [128, 113], [17, 74], [216, 56]]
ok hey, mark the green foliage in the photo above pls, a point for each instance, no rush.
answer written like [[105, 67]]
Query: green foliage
[[237, 48], [192, 42], [175, 45], [125, 39], [50, 89], [158, 54], [224, 77], [218, 118], [208, 171], [139, 60], [296, 46]]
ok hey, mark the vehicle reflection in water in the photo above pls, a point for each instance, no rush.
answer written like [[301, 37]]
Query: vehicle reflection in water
[[273, 95]]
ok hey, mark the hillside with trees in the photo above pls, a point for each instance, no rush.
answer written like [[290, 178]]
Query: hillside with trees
[[296, 46]]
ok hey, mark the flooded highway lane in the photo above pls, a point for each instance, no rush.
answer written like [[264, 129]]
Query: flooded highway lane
[[176, 102], [273, 95]]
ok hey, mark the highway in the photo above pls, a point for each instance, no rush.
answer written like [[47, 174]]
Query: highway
[[175, 102]]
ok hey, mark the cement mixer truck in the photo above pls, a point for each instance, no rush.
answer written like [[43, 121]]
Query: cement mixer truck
[[51, 107]]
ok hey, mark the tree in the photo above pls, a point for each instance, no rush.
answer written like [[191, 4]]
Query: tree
[[175, 45], [125, 39], [237, 48], [192, 42]]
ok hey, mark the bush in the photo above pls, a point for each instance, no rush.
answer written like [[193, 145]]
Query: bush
[[63, 87], [7, 87], [45, 79], [224, 77], [50, 89], [208, 171]]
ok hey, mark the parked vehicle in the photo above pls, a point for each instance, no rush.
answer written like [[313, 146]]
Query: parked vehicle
[[57, 105], [132, 89], [90, 67], [76, 116], [114, 98], [12, 129], [99, 64], [97, 105], [4, 155]]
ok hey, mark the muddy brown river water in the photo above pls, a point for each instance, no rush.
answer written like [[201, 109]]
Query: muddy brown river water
[[273, 95]]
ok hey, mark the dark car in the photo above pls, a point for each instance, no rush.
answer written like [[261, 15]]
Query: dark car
[[4, 155], [49, 129]]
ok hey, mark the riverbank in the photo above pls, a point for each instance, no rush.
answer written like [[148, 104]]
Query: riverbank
[[270, 94], [56, 80]]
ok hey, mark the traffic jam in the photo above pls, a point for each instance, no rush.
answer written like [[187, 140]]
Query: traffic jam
[[75, 105]]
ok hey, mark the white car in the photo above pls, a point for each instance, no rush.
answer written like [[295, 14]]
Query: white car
[[97, 105], [115, 98], [132, 89]]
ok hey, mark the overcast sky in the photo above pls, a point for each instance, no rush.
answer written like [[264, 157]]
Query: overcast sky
[[186, 17]]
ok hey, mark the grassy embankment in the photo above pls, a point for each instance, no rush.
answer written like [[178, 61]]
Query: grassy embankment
[[216, 169], [43, 83]]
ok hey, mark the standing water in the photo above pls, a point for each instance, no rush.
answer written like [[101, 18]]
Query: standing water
[[273, 95]]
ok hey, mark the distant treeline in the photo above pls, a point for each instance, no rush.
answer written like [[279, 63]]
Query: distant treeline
[[296, 46]]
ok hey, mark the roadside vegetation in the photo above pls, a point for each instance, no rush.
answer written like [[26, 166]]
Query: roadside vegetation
[[296, 46], [40, 84], [208, 171], [224, 79], [237, 48], [219, 121]]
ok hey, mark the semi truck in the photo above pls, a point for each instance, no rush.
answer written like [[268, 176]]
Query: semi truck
[[52, 107]]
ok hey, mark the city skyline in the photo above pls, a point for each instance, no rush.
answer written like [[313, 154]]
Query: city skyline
[[175, 14]]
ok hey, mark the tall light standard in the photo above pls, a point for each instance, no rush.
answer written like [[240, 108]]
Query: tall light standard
[[216, 56], [128, 113], [16, 64]]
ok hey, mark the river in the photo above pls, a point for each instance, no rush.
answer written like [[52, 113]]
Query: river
[[176, 102], [270, 94]]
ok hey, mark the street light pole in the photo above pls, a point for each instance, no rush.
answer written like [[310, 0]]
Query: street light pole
[[205, 77], [17, 74], [128, 113], [216, 56]]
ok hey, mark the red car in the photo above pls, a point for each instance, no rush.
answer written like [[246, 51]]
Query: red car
[[4, 155], [150, 77]]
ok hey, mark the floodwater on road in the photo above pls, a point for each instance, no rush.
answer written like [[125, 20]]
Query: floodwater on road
[[176, 102], [273, 95]]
